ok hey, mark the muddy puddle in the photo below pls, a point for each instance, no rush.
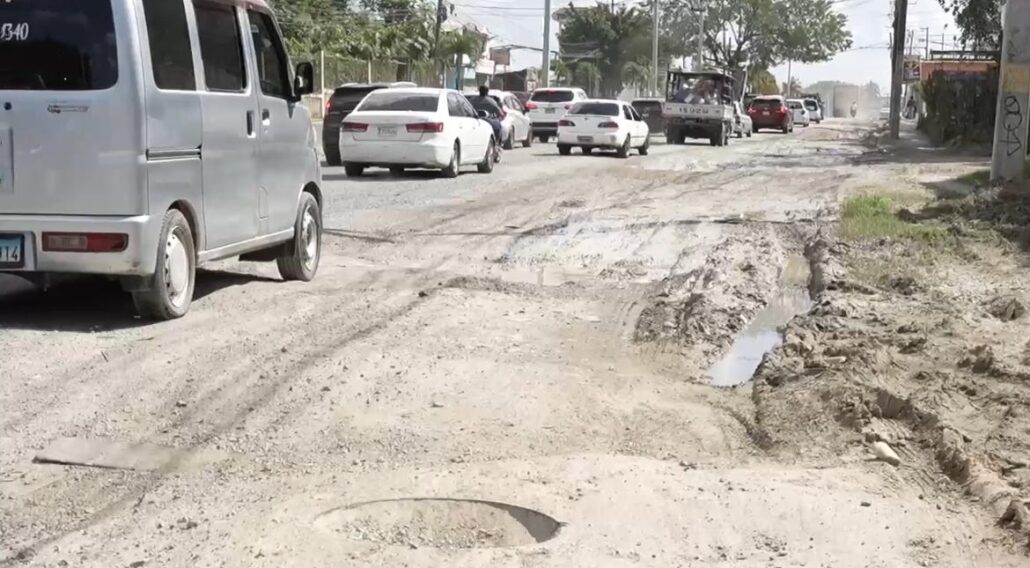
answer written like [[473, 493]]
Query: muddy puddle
[[763, 334]]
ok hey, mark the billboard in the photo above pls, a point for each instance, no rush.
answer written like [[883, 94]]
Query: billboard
[[910, 69], [500, 55]]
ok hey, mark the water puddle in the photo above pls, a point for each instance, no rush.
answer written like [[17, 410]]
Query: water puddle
[[763, 335]]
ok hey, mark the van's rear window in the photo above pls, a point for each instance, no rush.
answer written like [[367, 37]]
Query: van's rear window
[[346, 98], [548, 96], [57, 45], [385, 100]]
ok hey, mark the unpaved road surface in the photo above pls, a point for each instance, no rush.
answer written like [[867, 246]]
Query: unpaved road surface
[[539, 338]]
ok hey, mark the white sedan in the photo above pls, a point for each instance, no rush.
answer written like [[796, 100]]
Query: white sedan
[[515, 124], [416, 128], [801, 116], [601, 123]]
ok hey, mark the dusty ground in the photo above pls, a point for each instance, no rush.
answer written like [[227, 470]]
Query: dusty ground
[[538, 338]]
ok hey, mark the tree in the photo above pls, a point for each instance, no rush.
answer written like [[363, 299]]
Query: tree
[[608, 39], [587, 75], [763, 83], [637, 74], [794, 88], [455, 46], [979, 20], [757, 33]]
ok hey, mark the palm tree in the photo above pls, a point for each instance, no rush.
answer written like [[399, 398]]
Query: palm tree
[[587, 75], [636, 74], [562, 71], [455, 46]]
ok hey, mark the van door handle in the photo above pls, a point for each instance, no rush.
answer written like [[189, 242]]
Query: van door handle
[[250, 123], [266, 117]]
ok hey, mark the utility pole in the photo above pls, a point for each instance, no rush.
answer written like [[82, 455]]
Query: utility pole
[[654, 50], [927, 30], [441, 13], [1013, 108], [545, 66], [898, 61], [700, 62], [789, 78]]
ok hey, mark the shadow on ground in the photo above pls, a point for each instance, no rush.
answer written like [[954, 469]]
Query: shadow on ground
[[87, 304]]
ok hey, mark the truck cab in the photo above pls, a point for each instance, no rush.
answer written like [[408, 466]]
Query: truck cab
[[699, 105]]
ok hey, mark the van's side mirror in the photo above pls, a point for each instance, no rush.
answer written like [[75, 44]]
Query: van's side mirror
[[483, 114], [304, 80]]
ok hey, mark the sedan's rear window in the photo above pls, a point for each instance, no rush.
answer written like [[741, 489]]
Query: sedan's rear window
[[601, 109], [811, 105], [57, 45], [550, 96], [346, 98], [384, 100], [766, 104]]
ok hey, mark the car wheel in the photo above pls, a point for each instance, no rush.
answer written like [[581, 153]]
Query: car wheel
[[544, 139], [451, 171], [786, 129], [397, 170], [300, 259], [624, 149], [740, 133], [587, 149], [487, 165], [509, 143], [171, 286], [564, 149], [353, 170], [332, 155], [647, 146], [529, 139], [749, 133]]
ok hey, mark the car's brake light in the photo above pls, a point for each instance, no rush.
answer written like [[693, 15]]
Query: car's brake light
[[531, 106], [564, 122], [426, 127], [354, 127], [608, 124], [568, 106], [85, 242]]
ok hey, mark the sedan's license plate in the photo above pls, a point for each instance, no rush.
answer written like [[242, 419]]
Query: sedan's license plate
[[388, 131], [549, 111], [585, 138], [12, 253], [765, 113]]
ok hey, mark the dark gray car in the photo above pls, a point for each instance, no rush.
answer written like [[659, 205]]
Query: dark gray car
[[343, 101]]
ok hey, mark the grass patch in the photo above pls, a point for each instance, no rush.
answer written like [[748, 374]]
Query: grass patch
[[978, 178], [872, 217]]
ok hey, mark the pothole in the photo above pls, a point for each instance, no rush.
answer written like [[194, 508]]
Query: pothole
[[440, 523], [764, 334]]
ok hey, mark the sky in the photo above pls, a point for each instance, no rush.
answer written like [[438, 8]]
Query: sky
[[521, 22]]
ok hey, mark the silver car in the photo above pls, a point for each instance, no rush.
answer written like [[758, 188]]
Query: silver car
[[139, 138]]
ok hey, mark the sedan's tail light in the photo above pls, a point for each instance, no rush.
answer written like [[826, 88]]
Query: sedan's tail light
[[564, 122], [568, 106], [425, 127], [609, 124], [354, 127], [531, 106], [85, 242]]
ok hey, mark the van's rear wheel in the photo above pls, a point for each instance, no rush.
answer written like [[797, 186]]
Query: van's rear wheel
[[300, 258], [171, 286], [353, 170]]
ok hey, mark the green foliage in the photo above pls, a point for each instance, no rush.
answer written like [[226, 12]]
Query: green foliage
[[979, 20], [794, 88], [608, 40], [872, 217]]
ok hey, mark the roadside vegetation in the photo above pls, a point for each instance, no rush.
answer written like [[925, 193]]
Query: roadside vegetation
[[874, 216]]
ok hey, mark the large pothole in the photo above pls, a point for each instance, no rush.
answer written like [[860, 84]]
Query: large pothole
[[440, 523]]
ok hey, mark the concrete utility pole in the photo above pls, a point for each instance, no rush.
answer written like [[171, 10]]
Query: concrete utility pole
[[654, 51], [700, 62], [927, 30], [1013, 108], [545, 65], [898, 61]]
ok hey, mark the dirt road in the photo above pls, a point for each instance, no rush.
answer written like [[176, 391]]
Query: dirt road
[[541, 338]]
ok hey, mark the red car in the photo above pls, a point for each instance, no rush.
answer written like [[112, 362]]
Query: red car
[[771, 111]]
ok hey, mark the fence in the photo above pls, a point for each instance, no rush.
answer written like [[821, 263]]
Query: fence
[[332, 71]]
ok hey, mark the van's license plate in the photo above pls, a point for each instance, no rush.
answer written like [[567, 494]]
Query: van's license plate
[[12, 253]]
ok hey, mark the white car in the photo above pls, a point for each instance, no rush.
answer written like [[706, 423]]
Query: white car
[[416, 128], [603, 123], [801, 116], [742, 123], [815, 112], [547, 106], [515, 126]]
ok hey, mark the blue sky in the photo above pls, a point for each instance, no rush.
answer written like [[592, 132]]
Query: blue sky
[[521, 22]]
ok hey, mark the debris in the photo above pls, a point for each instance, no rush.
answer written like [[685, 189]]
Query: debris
[[137, 563], [1006, 308], [422, 294], [180, 404], [866, 504], [435, 404], [883, 452], [108, 454]]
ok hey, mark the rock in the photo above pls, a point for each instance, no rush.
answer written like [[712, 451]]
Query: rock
[[180, 404], [866, 504], [435, 404], [137, 563], [423, 294], [883, 452], [1006, 308]]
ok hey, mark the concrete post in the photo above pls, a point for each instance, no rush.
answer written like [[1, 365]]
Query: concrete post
[[1013, 111], [898, 61], [544, 80]]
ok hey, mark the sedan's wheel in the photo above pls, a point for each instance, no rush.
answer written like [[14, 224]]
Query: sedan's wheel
[[564, 149], [587, 149], [740, 133], [451, 171], [300, 257], [529, 139], [487, 165], [397, 170], [624, 149], [647, 146], [171, 286], [509, 142], [544, 139], [353, 170]]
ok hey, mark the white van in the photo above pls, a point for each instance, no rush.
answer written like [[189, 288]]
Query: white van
[[139, 138]]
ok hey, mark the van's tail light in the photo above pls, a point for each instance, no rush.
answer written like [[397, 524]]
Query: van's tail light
[[568, 106], [85, 242], [425, 127], [609, 124], [354, 127], [532, 106], [564, 122]]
